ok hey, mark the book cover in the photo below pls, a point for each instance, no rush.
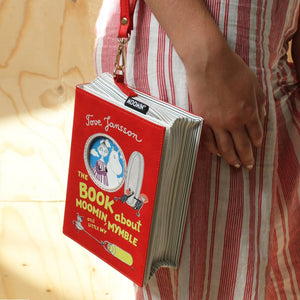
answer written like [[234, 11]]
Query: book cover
[[113, 174]]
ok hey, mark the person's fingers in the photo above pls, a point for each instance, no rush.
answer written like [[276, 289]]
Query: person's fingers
[[255, 131], [226, 147], [261, 103], [208, 140], [243, 147], [255, 116]]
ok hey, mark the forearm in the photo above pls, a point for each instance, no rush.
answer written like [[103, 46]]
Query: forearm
[[190, 28], [296, 51]]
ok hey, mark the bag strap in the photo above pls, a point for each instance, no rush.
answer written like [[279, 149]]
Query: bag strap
[[126, 26], [126, 18]]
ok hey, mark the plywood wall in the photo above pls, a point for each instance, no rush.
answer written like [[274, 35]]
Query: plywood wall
[[46, 48]]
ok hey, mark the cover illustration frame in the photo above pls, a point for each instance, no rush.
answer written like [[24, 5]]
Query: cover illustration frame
[[105, 162]]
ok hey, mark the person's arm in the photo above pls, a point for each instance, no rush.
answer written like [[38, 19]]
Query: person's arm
[[296, 50], [221, 86]]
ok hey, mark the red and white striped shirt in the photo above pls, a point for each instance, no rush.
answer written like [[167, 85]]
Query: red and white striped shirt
[[242, 239]]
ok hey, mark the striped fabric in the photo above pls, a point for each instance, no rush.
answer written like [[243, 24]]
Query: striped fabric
[[242, 239]]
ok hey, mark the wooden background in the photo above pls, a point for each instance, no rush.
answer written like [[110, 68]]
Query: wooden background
[[46, 48]]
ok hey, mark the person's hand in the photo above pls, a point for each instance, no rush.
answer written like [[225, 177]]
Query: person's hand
[[226, 93], [222, 88]]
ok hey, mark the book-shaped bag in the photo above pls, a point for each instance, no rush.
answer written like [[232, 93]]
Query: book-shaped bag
[[131, 169]]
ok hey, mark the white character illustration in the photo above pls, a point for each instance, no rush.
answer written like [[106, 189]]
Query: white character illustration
[[114, 169]]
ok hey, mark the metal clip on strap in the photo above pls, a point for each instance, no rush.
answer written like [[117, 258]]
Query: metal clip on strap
[[126, 25], [120, 63]]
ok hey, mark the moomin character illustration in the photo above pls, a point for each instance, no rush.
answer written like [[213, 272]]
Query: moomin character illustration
[[106, 161], [78, 222], [114, 168]]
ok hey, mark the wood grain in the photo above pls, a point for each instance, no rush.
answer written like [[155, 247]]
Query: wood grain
[[46, 49], [38, 262]]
